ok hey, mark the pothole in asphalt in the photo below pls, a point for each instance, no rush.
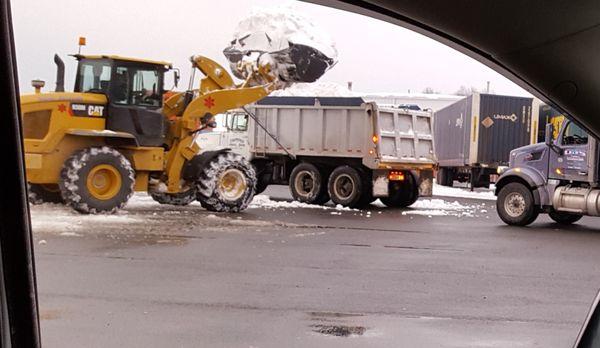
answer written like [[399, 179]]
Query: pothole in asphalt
[[339, 330]]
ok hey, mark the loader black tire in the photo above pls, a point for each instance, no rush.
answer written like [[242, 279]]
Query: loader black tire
[[402, 193], [308, 184], [564, 218], [44, 193], [515, 205], [346, 186], [179, 199], [226, 183], [97, 180]]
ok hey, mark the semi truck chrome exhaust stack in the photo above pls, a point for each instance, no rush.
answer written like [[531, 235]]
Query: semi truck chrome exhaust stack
[[577, 200]]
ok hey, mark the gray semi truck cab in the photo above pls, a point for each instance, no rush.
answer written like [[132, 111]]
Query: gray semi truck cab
[[557, 177]]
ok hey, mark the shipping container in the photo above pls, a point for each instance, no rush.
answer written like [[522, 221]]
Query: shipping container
[[475, 135]]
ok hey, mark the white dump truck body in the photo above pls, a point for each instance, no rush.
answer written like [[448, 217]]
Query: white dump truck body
[[382, 137]]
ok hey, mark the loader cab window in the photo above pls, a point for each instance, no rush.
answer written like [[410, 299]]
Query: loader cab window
[[139, 86], [93, 76], [574, 135]]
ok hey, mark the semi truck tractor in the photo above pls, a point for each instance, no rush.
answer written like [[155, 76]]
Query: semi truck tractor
[[475, 135], [343, 149], [556, 177]]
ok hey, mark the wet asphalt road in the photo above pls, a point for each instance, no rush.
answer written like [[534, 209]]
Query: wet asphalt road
[[161, 276]]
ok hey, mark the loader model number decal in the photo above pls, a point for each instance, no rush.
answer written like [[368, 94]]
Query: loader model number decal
[[87, 110]]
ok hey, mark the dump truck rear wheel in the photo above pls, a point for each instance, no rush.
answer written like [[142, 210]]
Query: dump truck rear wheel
[[308, 184], [180, 198], [402, 193], [345, 186], [515, 205], [44, 193], [97, 179], [226, 183], [564, 218]]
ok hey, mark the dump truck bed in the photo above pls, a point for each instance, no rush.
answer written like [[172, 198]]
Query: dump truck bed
[[342, 127]]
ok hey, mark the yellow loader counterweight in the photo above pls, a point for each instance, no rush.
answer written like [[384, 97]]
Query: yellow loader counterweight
[[117, 133]]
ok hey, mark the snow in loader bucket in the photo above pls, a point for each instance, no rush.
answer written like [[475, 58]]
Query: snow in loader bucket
[[294, 48]]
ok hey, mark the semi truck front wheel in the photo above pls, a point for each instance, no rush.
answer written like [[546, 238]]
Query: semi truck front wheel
[[515, 205]]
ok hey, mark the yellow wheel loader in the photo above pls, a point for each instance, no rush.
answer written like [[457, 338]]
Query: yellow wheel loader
[[118, 133]]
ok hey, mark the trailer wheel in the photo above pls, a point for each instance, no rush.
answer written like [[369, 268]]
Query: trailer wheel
[[97, 179], [226, 183], [180, 198], [308, 184], [402, 193], [445, 177], [564, 218], [345, 186], [515, 205], [44, 193]]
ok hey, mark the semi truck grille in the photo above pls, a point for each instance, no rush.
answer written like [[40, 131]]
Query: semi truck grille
[[36, 124]]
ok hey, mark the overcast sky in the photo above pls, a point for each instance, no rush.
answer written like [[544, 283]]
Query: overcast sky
[[376, 56]]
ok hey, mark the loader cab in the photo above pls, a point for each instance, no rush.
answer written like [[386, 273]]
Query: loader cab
[[134, 89]]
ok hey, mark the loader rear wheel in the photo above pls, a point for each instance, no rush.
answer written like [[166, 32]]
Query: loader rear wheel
[[345, 186], [515, 205], [180, 198], [308, 185], [564, 218], [402, 193], [97, 179], [226, 183], [44, 193]]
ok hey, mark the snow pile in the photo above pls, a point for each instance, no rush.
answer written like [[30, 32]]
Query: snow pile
[[316, 89], [264, 201], [49, 217], [282, 25], [445, 191], [440, 207]]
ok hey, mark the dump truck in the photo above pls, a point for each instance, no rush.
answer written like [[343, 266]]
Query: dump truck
[[114, 134], [556, 177], [475, 135], [331, 148]]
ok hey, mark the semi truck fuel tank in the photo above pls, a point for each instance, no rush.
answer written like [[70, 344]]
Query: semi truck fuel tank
[[577, 200]]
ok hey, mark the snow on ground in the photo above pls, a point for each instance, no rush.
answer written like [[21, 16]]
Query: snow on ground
[[464, 192], [441, 207], [264, 201], [57, 217]]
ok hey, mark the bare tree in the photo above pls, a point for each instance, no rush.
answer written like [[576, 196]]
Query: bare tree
[[429, 90], [466, 91]]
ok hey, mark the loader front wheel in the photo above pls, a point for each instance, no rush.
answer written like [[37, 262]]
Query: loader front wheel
[[44, 193], [96, 180], [226, 183]]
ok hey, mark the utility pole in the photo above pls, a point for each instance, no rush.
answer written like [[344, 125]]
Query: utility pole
[[487, 90]]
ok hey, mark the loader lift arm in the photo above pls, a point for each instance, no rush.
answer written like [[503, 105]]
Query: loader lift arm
[[217, 94]]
